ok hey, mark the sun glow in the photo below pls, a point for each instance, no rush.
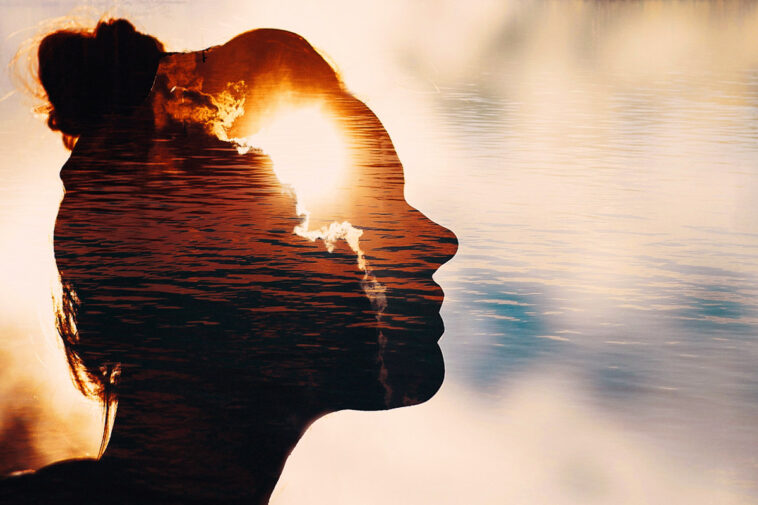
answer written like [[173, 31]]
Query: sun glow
[[310, 156], [307, 151]]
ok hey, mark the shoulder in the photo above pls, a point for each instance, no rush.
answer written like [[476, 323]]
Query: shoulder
[[81, 482]]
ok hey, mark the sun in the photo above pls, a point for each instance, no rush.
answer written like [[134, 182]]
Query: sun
[[307, 151]]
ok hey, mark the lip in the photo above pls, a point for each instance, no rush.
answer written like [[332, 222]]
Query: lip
[[439, 328], [424, 324]]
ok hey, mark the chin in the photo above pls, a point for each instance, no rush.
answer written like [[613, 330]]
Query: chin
[[413, 377]]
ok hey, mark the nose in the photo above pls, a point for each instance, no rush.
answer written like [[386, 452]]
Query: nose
[[444, 241], [448, 242]]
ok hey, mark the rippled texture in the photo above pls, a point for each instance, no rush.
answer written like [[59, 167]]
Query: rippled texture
[[621, 237], [597, 162], [195, 299]]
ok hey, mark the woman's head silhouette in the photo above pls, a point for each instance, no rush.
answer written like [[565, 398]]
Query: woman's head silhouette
[[234, 317]]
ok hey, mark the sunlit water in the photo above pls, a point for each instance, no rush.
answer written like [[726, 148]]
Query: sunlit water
[[599, 165]]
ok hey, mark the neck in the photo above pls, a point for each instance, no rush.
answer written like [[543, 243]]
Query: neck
[[187, 442]]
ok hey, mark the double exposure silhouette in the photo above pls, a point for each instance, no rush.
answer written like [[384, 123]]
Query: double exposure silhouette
[[214, 309]]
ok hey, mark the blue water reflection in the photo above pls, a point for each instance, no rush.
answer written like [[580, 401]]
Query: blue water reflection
[[620, 243]]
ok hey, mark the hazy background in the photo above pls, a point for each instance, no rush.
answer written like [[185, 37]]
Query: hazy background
[[599, 164]]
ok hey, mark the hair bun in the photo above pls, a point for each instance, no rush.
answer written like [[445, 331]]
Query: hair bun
[[89, 75]]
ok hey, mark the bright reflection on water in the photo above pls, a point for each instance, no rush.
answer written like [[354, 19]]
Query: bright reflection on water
[[598, 162]]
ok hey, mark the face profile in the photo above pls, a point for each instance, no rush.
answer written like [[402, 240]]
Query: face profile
[[222, 288]]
